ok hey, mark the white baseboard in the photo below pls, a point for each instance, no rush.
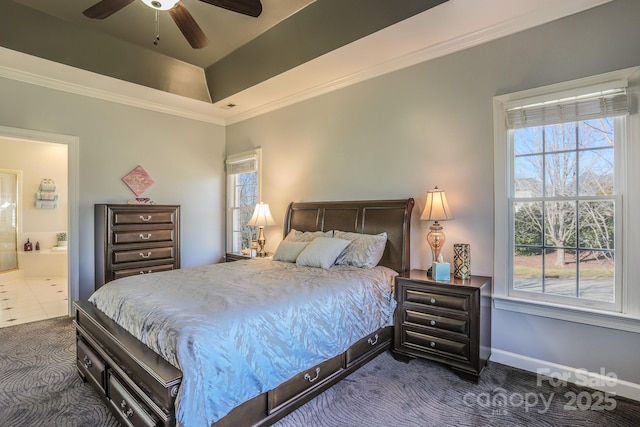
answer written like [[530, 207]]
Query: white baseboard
[[604, 381]]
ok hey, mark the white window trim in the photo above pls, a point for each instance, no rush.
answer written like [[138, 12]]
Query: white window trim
[[629, 317], [246, 155]]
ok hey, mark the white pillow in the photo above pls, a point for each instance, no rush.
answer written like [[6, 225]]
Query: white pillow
[[321, 252], [306, 236], [364, 250], [289, 251]]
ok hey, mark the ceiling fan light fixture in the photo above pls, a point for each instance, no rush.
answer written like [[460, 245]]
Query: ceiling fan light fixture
[[161, 4]]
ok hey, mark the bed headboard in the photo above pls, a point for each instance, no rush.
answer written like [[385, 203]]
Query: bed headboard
[[363, 216]]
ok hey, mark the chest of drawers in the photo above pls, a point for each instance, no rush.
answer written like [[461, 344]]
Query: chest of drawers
[[448, 322], [135, 239]]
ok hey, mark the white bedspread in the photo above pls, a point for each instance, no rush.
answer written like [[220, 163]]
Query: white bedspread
[[239, 329]]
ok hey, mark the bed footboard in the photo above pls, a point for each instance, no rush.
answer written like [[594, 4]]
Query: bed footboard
[[140, 387]]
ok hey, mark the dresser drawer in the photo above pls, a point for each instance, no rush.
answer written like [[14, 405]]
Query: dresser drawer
[[90, 364], [303, 383], [117, 274], [142, 254], [437, 322], [432, 344], [367, 344], [142, 236], [122, 218], [435, 299], [128, 410]]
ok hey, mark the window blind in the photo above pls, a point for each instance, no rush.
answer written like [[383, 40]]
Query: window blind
[[609, 103], [242, 166], [243, 163]]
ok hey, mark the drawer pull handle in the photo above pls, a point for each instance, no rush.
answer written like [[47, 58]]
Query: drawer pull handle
[[87, 362], [145, 256], [145, 236], [433, 300], [145, 219], [433, 323], [308, 377], [126, 412], [143, 272], [372, 341], [432, 344]]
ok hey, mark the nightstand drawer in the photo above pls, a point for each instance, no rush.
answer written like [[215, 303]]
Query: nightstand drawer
[[429, 343], [438, 322], [142, 236], [434, 299], [142, 254]]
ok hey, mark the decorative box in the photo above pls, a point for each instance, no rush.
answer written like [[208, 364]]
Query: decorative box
[[441, 270]]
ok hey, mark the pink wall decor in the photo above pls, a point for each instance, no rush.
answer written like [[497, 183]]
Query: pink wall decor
[[138, 180]]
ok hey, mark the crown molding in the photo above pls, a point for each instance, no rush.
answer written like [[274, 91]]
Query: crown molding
[[448, 28], [30, 69], [513, 21]]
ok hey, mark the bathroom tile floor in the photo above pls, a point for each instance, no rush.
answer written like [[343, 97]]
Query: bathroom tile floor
[[29, 300]]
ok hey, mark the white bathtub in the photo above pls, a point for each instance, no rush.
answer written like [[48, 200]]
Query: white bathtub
[[43, 263]]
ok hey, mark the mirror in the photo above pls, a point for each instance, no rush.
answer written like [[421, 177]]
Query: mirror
[[8, 221]]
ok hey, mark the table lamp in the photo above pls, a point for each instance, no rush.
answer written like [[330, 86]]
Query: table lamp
[[261, 218], [436, 209]]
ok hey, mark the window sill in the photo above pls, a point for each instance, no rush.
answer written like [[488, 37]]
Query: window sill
[[603, 319]]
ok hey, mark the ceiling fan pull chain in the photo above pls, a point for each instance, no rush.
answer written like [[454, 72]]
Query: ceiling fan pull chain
[[157, 39]]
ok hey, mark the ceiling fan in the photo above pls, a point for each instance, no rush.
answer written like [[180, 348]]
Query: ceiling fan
[[178, 11]]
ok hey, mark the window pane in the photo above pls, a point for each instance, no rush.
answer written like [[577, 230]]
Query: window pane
[[527, 271], [528, 141], [560, 272], [560, 137], [560, 229], [528, 223], [597, 276], [596, 133], [596, 172], [560, 174], [242, 233], [596, 224], [528, 176], [246, 189]]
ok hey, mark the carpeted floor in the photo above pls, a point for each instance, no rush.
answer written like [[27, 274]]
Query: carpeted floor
[[39, 386]]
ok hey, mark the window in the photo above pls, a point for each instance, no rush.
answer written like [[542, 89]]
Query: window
[[563, 170], [243, 193]]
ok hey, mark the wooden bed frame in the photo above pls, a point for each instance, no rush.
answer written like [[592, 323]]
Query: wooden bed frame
[[140, 387]]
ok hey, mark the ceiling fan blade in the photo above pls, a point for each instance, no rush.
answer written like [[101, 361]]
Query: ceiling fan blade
[[245, 7], [189, 27], [105, 8]]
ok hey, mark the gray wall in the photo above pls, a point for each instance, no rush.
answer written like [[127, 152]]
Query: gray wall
[[184, 157], [403, 133]]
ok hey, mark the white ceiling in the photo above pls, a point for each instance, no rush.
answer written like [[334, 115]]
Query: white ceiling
[[447, 28]]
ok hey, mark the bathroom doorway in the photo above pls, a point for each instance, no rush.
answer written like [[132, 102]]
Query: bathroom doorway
[[39, 288]]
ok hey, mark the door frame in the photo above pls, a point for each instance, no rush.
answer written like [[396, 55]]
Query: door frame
[[73, 171]]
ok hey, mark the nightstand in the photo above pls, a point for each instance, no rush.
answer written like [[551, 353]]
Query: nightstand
[[448, 322], [237, 256]]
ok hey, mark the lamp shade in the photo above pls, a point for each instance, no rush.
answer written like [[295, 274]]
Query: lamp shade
[[261, 216], [437, 208]]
